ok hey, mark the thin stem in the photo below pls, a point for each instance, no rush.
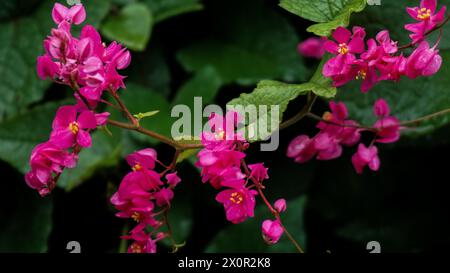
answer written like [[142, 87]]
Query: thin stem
[[426, 34], [305, 110], [154, 135], [275, 213], [424, 118], [124, 108]]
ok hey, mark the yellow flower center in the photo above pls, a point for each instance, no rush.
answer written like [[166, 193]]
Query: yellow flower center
[[361, 75], [236, 197], [137, 167], [135, 248], [136, 216], [73, 126], [343, 48], [424, 14]]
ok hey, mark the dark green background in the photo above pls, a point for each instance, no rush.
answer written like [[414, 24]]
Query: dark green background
[[218, 49]]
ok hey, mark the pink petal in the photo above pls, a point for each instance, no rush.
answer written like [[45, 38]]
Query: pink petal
[[433, 66], [77, 14], [331, 47], [381, 108], [87, 120], [429, 4], [413, 12], [356, 45], [342, 35], [64, 116], [63, 138], [59, 13], [84, 139]]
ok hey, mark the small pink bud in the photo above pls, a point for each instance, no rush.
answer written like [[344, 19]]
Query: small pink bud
[[312, 48], [173, 179], [272, 231], [280, 205], [381, 108], [123, 61]]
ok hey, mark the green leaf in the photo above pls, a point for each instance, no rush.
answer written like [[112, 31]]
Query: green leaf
[[272, 93], [329, 14], [164, 9], [20, 45], [205, 84], [150, 69], [19, 134], [408, 99], [25, 221], [105, 152], [257, 44], [131, 26], [246, 237], [146, 114]]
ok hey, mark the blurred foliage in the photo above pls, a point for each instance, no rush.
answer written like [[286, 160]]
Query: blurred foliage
[[219, 49]]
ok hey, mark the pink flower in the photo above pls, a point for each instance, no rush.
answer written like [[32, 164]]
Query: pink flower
[[68, 129], [312, 47], [258, 172], [142, 159], [280, 205], [239, 202], [173, 179], [46, 160], [345, 49], [388, 126], [301, 149], [366, 157], [143, 243], [424, 61], [76, 14], [427, 17], [46, 67], [272, 231], [163, 197]]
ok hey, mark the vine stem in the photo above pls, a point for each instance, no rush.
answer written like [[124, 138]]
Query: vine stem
[[424, 118], [305, 110], [274, 212]]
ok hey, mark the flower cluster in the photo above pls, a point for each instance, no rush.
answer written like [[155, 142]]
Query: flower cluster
[[337, 131], [139, 193], [382, 60], [83, 63], [70, 132], [89, 68], [221, 161]]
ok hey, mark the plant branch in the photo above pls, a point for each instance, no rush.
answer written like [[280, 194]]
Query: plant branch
[[154, 135], [305, 110]]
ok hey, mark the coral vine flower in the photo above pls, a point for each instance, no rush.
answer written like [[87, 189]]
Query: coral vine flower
[[366, 157], [280, 205], [272, 231], [312, 47], [427, 17], [388, 126], [76, 14], [239, 202], [68, 129], [337, 130], [345, 48], [258, 172]]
